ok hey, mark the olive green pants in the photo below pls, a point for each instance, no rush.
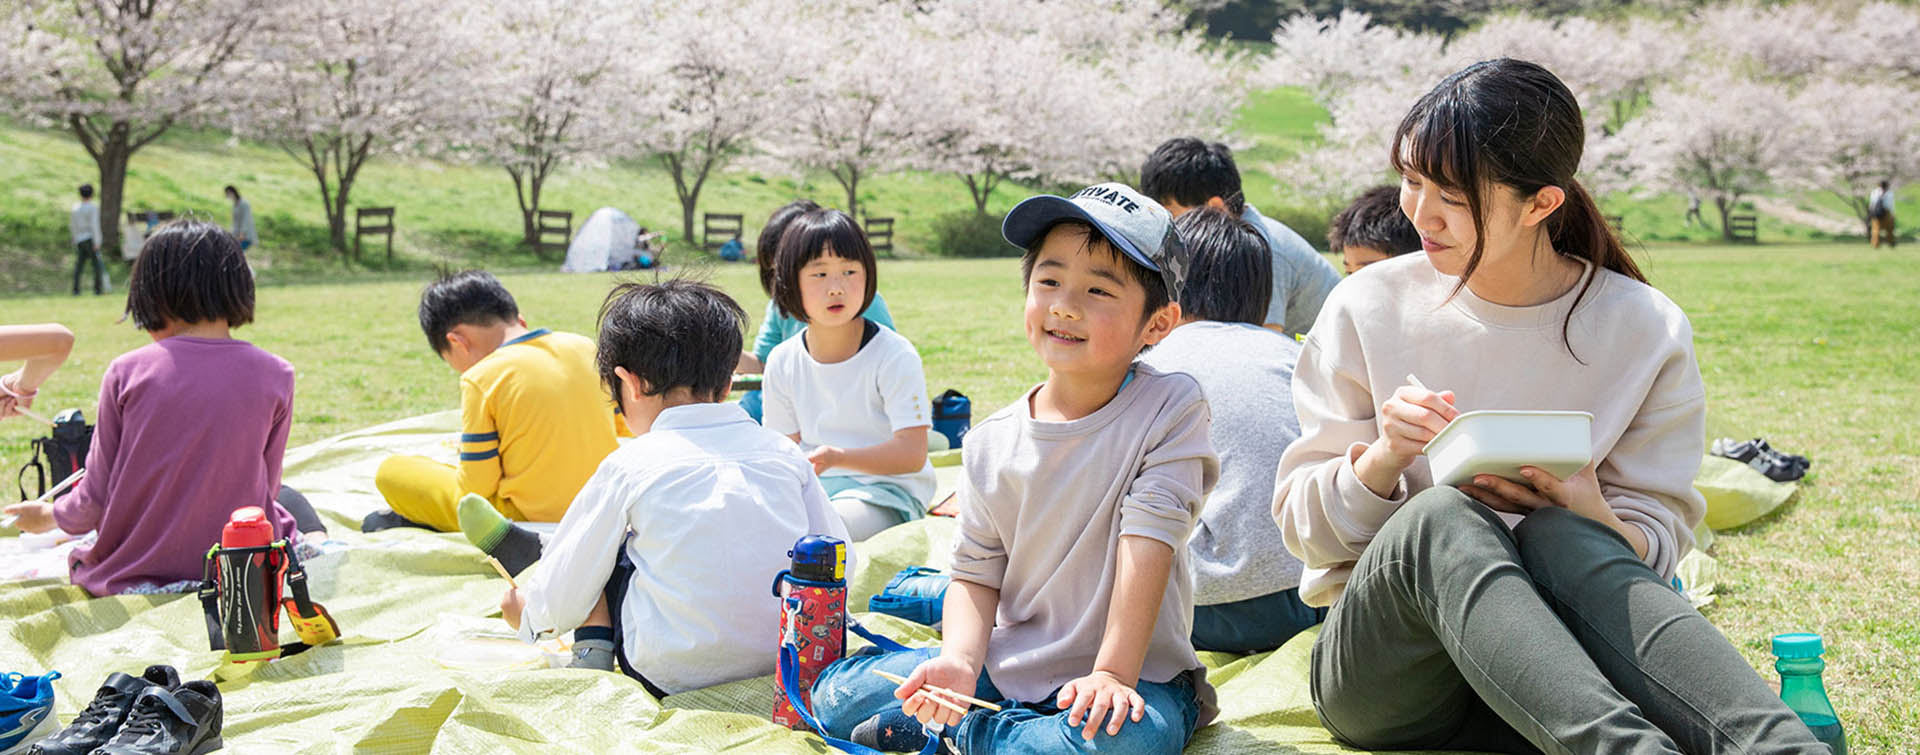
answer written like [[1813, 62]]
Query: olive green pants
[[1458, 633]]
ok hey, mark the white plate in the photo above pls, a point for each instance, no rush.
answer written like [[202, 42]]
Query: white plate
[[1500, 442]]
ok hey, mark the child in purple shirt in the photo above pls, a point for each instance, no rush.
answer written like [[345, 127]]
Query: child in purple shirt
[[189, 428]]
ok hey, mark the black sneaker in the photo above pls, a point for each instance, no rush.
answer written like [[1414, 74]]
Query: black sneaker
[[108, 711], [185, 721], [1755, 454], [1802, 462]]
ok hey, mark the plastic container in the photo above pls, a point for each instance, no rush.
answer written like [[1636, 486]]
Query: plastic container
[[1797, 658], [1500, 442]]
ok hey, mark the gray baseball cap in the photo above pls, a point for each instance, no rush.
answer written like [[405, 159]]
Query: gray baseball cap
[[1138, 226]]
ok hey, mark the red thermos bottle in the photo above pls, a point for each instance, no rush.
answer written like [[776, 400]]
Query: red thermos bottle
[[250, 577]]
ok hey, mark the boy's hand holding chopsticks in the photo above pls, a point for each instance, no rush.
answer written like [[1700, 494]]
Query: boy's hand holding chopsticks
[[932, 693]]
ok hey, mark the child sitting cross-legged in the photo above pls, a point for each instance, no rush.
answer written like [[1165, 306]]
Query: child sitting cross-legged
[[533, 420], [1072, 595], [663, 560]]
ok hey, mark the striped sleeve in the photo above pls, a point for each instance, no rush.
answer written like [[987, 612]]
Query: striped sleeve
[[479, 443]]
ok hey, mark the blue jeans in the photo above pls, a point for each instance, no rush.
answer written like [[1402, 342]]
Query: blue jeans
[[848, 693], [1254, 625]]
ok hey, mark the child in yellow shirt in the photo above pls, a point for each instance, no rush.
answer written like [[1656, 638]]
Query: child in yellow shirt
[[534, 421]]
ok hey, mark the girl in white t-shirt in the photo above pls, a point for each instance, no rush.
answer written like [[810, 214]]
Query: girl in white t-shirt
[[850, 392]]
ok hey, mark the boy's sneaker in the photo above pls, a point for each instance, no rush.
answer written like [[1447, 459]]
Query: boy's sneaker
[[108, 711], [893, 731], [183, 721], [26, 711]]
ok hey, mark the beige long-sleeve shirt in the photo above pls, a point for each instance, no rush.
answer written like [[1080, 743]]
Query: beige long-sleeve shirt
[[1635, 373], [1043, 506]]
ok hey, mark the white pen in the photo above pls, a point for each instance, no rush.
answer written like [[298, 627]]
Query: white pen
[[1415, 382]]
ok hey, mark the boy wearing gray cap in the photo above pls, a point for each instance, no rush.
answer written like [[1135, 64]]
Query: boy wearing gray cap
[[1071, 603]]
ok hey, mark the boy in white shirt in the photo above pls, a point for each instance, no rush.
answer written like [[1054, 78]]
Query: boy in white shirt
[[1072, 596], [662, 562]]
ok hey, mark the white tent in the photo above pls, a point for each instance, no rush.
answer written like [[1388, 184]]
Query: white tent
[[603, 242]]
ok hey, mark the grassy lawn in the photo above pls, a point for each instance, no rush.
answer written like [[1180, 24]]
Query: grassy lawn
[[1810, 346]]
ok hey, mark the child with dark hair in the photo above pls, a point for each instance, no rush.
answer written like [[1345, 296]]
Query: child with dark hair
[[191, 426], [1372, 229], [1072, 595], [242, 220], [1244, 581], [84, 223], [533, 419], [1523, 613], [1186, 173], [852, 393], [632, 569], [776, 326]]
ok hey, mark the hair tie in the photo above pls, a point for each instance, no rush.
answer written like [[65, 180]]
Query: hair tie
[[14, 390]]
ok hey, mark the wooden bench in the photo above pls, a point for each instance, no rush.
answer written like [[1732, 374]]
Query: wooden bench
[[880, 234], [1743, 228], [1617, 222], [553, 229], [717, 228], [373, 221], [160, 217]]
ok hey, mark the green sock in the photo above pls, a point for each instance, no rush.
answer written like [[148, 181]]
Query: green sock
[[482, 523]]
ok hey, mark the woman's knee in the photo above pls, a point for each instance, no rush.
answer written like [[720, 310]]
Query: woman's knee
[[1560, 547], [1437, 512]]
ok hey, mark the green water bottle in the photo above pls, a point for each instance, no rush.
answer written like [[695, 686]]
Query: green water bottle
[[1797, 657]]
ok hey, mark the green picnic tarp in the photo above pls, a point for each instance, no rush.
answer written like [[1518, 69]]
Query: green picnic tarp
[[425, 665]]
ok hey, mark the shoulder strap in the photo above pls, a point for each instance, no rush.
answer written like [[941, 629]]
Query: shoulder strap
[[36, 452]]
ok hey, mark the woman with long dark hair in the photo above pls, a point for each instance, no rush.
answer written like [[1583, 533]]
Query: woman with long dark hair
[[1508, 614]]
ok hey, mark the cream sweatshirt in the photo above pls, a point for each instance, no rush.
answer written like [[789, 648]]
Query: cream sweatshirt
[[1638, 379]]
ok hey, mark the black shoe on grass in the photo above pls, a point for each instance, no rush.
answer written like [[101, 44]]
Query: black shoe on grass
[[107, 713], [185, 721]]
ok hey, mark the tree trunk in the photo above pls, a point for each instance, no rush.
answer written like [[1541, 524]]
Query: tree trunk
[[849, 177], [528, 235], [1725, 207], [688, 191], [115, 153], [981, 189]]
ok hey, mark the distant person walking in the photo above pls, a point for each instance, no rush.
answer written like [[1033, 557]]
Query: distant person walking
[[85, 224], [1693, 211], [1880, 217], [242, 220]]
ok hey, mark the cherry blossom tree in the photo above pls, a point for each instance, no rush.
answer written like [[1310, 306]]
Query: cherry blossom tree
[[714, 78], [1064, 92], [119, 73], [1329, 56], [343, 80], [1855, 134], [556, 95], [1721, 135], [856, 104]]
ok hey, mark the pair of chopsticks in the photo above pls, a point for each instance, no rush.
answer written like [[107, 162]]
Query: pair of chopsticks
[[28, 413], [940, 696], [502, 569], [72, 480]]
